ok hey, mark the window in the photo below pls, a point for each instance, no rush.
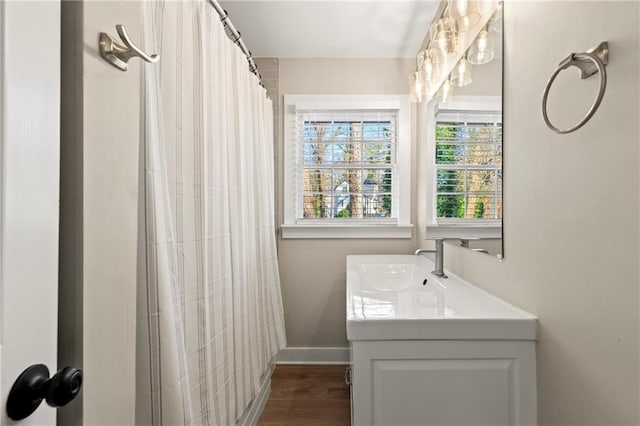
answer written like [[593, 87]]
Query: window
[[347, 166], [465, 140], [468, 165]]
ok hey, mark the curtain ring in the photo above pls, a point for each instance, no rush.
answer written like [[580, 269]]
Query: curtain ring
[[571, 60]]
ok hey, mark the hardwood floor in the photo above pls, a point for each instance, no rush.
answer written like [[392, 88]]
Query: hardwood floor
[[310, 395]]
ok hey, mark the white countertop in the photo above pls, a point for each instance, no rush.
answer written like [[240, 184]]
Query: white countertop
[[388, 299]]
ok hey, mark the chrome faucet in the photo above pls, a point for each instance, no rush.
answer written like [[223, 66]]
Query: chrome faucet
[[439, 251]]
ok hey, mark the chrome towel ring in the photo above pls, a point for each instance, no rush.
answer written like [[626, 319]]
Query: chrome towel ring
[[590, 62]]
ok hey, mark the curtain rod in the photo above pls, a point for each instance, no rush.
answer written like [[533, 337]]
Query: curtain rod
[[236, 37]]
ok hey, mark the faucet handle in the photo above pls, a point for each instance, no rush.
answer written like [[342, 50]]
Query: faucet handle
[[420, 251]]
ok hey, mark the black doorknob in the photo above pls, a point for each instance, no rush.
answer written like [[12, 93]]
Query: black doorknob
[[34, 385]]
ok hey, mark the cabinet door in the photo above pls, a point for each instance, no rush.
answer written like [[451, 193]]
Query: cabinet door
[[442, 391], [444, 383]]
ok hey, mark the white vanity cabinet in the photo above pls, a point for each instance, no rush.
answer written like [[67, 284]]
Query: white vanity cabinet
[[440, 353], [440, 382]]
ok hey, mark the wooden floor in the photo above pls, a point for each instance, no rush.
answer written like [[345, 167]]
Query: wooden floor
[[310, 395]]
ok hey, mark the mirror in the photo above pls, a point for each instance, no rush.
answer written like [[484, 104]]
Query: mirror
[[464, 143], [457, 80]]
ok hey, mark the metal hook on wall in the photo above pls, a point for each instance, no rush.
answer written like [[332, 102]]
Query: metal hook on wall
[[590, 62], [118, 54]]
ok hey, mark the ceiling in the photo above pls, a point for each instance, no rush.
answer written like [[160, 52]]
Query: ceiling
[[332, 29]]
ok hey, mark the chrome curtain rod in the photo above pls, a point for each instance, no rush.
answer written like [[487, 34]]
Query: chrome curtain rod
[[236, 37]]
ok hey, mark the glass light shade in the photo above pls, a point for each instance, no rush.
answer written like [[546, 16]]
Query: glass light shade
[[495, 22], [481, 50], [430, 64], [445, 93], [444, 35], [420, 59], [418, 87], [465, 13], [445, 60], [461, 74]]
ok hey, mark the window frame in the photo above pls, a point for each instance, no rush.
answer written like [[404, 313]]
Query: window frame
[[452, 228], [397, 227]]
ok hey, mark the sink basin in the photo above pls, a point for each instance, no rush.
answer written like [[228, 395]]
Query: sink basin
[[391, 277], [395, 297]]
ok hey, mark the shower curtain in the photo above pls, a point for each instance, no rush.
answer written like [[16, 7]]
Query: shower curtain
[[210, 310]]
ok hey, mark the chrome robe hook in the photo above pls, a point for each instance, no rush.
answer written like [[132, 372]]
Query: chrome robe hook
[[118, 54]]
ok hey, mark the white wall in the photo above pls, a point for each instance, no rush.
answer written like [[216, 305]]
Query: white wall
[[99, 196], [571, 207]]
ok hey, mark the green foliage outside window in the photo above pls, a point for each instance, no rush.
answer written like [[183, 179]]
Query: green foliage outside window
[[344, 213], [479, 211], [447, 205]]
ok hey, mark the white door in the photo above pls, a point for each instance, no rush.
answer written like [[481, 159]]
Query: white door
[[29, 192]]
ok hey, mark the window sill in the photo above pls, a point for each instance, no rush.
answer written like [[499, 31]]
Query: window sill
[[346, 231], [463, 231]]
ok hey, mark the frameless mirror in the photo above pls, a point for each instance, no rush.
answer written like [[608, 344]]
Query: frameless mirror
[[464, 122], [455, 73]]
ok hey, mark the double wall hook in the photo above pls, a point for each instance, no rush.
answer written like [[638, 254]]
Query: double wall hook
[[118, 54]]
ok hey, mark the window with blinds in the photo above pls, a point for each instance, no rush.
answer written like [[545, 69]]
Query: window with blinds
[[468, 167], [347, 162]]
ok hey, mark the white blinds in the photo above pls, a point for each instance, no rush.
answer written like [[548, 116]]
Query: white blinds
[[346, 162], [468, 166]]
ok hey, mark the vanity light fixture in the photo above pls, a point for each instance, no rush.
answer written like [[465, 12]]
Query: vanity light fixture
[[461, 74], [482, 49], [458, 17], [465, 13]]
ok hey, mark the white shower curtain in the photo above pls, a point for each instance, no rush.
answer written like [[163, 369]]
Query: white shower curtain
[[210, 309]]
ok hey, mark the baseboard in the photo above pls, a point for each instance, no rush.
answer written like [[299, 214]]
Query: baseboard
[[295, 355], [253, 412]]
